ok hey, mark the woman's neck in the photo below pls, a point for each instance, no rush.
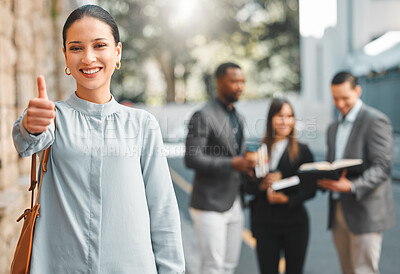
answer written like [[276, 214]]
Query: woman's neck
[[98, 97], [277, 139]]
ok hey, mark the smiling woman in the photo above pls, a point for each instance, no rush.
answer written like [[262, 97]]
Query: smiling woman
[[279, 220], [107, 202], [91, 55]]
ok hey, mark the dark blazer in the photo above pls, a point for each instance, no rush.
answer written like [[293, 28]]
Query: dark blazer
[[210, 147], [294, 212], [371, 208]]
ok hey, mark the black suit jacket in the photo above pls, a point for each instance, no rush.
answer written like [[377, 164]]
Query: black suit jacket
[[210, 147], [294, 212]]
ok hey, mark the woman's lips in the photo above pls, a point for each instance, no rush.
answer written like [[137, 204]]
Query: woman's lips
[[90, 72]]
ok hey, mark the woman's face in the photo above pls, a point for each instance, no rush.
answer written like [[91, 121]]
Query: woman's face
[[283, 122], [91, 54]]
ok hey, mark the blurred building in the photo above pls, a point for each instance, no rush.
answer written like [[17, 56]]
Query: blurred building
[[362, 37]]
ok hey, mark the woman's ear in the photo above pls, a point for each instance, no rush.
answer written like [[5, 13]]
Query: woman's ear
[[119, 51], [65, 55]]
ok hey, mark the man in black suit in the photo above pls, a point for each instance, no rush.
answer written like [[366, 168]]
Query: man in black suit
[[214, 148], [360, 207]]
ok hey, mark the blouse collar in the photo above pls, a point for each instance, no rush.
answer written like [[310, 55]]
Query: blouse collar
[[90, 108]]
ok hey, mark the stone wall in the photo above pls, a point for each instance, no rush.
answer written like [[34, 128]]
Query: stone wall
[[30, 44]]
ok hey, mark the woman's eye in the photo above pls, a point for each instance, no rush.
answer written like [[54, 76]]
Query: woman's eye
[[100, 45], [74, 48]]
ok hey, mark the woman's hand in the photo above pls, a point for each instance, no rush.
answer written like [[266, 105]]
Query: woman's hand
[[269, 179], [40, 110], [276, 197]]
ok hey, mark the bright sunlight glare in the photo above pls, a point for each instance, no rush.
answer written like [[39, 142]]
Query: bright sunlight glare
[[316, 16], [184, 12]]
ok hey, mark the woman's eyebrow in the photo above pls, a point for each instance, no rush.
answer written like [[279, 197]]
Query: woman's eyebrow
[[78, 42]]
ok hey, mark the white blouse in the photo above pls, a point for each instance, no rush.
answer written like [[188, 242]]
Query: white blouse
[[278, 149], [107, 200]]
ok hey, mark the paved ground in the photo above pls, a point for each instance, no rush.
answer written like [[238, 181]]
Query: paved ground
[[321, 257]]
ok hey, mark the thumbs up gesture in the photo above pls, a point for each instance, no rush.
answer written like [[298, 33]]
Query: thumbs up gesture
[[40, 110]]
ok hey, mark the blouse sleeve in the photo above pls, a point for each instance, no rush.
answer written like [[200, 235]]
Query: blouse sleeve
[[163, 209], [27, 144]]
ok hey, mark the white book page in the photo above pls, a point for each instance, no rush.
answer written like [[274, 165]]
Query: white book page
[[285, 183]]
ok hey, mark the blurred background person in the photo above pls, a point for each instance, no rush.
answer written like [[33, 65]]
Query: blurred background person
[[360, 207], [279, 220], [214, 147]]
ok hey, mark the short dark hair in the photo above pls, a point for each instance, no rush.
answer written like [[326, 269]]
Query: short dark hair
[[221, 70], [345, 76], [94, 11]]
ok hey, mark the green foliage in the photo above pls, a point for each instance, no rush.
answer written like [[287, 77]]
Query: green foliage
[[187, 39], [54, 12]]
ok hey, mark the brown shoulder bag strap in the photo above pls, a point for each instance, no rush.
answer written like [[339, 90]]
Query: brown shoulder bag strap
[[44, 169], [34, 181]]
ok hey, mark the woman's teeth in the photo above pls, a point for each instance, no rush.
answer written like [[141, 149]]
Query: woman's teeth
[[90, 71]]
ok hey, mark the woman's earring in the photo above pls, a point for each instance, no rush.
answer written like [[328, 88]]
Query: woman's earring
[[118, 65], [67, 71]]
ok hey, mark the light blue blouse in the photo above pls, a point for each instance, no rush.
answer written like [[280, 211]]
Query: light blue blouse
[[107, 200]]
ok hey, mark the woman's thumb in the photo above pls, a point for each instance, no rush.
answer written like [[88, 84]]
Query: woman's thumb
[[42, 87]]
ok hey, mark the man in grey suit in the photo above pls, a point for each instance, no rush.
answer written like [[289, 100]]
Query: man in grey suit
[[214, 148], [360, 207]]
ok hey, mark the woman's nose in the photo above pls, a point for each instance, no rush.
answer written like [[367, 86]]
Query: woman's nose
[[285, 120], [89, 57]]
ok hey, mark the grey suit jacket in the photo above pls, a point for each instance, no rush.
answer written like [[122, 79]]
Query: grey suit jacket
[[371, 208], [210, 147]]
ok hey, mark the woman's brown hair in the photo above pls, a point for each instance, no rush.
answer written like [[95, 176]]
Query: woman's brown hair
[[293, 146]]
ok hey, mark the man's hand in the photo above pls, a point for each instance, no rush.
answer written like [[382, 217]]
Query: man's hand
[[341, 185], [269, 179], [276, 197], [40, 110], [244, 165]]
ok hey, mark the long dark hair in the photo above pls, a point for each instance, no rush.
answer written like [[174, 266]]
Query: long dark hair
[[269, 138], [94, 12]]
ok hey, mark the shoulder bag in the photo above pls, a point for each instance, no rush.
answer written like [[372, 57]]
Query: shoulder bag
[[22, 256]]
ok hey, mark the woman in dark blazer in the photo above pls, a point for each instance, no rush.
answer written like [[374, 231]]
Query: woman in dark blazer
[[279, 220]]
